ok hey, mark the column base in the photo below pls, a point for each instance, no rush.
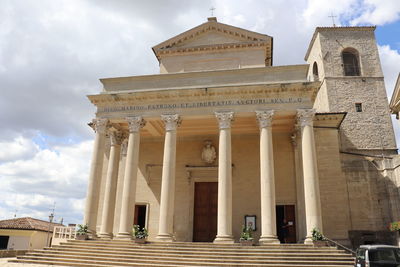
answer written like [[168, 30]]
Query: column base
[[105, 235], [92, 234], [308, 241], [165, 238], [224, 239], [266, 240], [124, 236]]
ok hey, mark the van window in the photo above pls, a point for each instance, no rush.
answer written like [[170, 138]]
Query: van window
[[361, 254], [380, 255]]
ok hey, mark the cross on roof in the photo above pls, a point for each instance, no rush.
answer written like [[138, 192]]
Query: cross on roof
[[333, 19], [212, 11]]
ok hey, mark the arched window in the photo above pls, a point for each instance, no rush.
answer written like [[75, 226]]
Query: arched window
[[351, 65], [315, 71]]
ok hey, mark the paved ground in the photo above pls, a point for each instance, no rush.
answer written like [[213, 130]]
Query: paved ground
[[4, 263]]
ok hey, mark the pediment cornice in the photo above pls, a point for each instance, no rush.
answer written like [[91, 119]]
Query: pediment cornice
[[242, 37]]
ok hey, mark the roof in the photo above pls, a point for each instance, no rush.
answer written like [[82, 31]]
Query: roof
[[242, 37], [344, 28], [28, 223], [377, 246]]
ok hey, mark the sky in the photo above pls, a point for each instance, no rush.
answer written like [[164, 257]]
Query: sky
[[53, 53]]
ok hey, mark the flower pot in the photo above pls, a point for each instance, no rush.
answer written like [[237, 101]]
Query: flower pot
[[140, 240], [320, 243], [82, 237], [249, 242]]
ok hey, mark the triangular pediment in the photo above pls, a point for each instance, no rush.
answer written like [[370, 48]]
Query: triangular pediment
[[212, 33]]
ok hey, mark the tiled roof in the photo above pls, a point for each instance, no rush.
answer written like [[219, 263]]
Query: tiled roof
[[28, 223]]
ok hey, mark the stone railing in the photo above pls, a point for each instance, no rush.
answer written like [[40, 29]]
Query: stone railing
[[61, 234]]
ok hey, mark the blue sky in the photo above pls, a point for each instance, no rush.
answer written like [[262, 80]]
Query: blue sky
[[52, 54]]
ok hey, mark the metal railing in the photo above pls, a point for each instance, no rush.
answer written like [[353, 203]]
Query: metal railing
[[340, 246]]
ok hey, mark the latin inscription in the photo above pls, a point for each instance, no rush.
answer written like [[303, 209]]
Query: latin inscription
[[203, 104]]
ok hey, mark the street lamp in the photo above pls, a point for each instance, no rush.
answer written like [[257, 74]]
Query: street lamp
[[51, 217]]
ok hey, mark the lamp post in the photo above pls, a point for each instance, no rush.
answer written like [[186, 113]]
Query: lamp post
[[51, 217]]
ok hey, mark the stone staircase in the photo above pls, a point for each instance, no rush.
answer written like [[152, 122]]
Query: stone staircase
[[127, 253]]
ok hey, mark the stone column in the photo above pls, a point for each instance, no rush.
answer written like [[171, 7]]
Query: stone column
[[130, 178], [106, 229], [224, 216], [267, 179], [93, 191], [310, 172], [167, 198]]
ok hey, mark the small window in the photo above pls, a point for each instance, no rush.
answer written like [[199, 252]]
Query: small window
[[315, 72], [351, 65], [358, 107]]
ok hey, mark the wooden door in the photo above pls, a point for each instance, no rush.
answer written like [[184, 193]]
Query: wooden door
[[205, 211], [286, 223]]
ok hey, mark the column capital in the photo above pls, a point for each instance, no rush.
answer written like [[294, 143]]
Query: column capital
[[264, 118], [116, 137], [305, 117], [135, 123], [171, 121], [99, 125], [224, 119]]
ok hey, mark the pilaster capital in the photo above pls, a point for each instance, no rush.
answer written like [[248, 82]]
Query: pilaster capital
[[224, 119], [171, 121], [135, 123], [100, 125], [264, 118], [116, 137], [305, 117]]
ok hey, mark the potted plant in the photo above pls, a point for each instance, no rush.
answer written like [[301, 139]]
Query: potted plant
[[82, 232], [318, 238], [395, 227], [140, 234], [246, 236]]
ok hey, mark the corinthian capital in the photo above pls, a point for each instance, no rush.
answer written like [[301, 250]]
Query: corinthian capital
[[135, 123], [99, 125], [116, 137], [224, 119], [305, 117], [264, 118], [171, 121]]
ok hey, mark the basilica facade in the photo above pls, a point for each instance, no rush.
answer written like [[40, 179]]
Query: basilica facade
[[221, 138]]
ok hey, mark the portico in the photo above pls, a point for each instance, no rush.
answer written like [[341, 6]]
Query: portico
[[256, 123]]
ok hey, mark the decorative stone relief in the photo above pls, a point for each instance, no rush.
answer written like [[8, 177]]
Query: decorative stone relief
[[208, 154], [305, 117], [171, 121], [116, 137], [264, 118], [135, 123], [224, 119], [99, 125]]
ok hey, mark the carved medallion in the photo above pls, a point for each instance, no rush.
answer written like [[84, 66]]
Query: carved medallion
[[208, 154]]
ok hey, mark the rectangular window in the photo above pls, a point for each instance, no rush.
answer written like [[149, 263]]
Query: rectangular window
[[358, 107]]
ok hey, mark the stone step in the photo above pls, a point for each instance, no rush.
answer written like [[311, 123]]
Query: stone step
[[150, 252], [87, 264], [191, 256], [188, 244], [178, 262], [210, 248]]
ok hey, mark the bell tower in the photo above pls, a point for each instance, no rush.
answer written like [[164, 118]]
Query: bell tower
[[346, 62]]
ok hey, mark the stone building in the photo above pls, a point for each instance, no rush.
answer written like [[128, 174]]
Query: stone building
[[222, 138]]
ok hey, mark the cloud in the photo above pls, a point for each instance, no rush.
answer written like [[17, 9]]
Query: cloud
[[378, 12], [58, 174], [390, 66], [19, 148]]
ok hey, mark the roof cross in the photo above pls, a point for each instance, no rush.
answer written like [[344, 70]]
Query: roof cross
[[212, 11], [333, 19]]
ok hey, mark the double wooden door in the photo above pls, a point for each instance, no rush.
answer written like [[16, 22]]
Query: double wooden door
[[205, 211]]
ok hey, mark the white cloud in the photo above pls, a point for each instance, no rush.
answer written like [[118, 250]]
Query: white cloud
[[390, 66], [378, 12], [19, 148], [58, 174]]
